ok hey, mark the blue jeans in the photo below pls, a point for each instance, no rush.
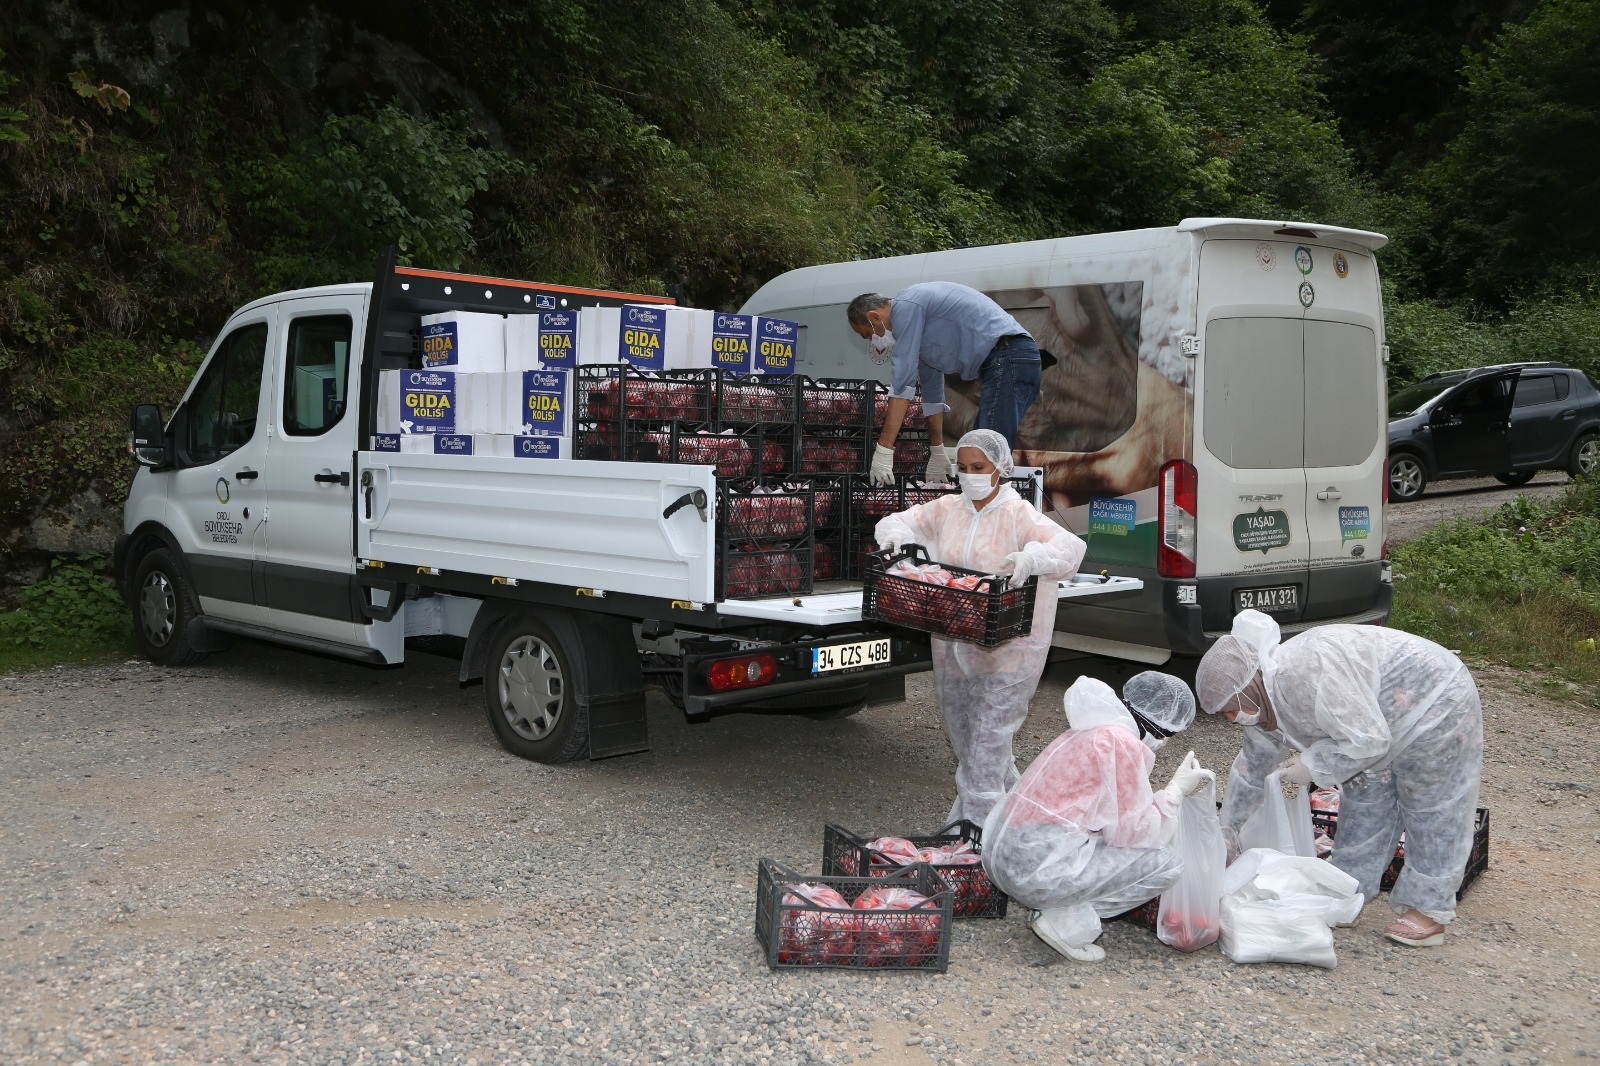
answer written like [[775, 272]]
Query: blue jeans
[[1010, 379]]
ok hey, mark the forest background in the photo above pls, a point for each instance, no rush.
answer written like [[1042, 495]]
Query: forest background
[[160, 165]]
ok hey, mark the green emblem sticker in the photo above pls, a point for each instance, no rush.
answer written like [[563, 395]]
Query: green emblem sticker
[[1261, 531]]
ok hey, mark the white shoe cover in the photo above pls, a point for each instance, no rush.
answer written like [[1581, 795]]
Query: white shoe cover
[[1071, 931]]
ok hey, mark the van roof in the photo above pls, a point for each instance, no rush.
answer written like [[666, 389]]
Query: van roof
[[1258, 228]]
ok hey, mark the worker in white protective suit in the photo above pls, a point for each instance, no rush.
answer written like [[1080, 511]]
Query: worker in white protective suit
[[1391, 719], [983, 693], [1082, 837]]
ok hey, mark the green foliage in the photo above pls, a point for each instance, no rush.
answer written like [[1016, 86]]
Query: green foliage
[[1426, 336], [76, 601], [1521, 587]]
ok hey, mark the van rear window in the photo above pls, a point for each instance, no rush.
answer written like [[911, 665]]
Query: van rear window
[[1342, 406], [1254, 392]]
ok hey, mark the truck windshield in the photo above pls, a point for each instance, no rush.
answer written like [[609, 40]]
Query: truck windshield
[[1409, 400]]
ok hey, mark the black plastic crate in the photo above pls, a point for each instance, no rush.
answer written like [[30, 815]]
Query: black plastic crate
[[1477, 861], [618, 393], [751, 570], [915, 421], [986, 617], [858, 547], [829, 403], [837, 454], [745, 400], [754, 509], [972, 894], [796, 934], [828, 558]]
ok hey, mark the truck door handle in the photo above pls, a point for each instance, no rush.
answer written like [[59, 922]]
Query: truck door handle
[[341, 478], [366, 491], [697, 499], [1330, 493], [247, 475]]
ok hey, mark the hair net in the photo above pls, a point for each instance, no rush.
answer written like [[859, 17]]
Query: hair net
[[993, 445], [1091, 702], [1233, 660], [1162, 699]]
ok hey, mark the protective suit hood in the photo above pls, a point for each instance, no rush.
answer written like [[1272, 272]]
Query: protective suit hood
[[1091, 702]]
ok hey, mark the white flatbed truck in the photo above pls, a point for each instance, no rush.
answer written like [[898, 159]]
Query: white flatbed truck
[[260, 510]]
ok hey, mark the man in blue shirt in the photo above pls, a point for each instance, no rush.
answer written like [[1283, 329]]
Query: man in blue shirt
[[937, 328]]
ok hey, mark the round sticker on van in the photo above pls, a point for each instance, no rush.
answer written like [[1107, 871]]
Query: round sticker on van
[[1307, 294], [1302, 258], [1265, 256], [1341, 265]]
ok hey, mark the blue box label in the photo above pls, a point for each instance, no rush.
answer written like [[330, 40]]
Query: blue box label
[[452, 444], [558, 338], [538, 447], [775, 341], [730, 342], [440, 346], [427, 401], [386, 442], [543, 402], [643, 337], [1112, 516], [1355, 523]]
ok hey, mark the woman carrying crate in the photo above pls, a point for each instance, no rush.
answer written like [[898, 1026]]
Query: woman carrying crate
[[983, 693], [1392, 719]]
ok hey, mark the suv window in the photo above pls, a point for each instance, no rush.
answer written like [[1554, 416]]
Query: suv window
[[1538, 389], [221, 412], [314, 374]]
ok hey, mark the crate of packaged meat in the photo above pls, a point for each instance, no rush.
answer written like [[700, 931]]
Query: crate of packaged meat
[[835, 404], [742, 400], [754, 510], [909, 589], [868, 502], [750, 569], [621, 393], [897, 922], [830, 455], [955, 851], [828, 559], [730, 453], [1325, 823], [915, 419]]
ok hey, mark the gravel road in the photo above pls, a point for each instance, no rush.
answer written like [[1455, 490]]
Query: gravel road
[[1444, 500], [278, 858]]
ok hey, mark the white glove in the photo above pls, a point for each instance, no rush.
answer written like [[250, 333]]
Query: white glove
[[1294, 771], [938, 464], [1021, 567], [892, 541], [1187, 778], [882, 469]]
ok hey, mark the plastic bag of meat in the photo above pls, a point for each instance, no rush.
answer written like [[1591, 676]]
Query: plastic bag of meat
[[1188, 919], [891, 929], [809, 937]]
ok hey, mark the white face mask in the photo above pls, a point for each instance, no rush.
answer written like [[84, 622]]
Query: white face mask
[[1251, 718], [976, 487], [882, 343]]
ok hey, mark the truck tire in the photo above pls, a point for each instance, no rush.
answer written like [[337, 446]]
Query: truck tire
[[1585, 455], [531, 695], [163, 607], [1407, 477]]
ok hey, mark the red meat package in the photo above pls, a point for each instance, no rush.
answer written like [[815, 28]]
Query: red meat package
[[811, 937], [768, 515], [898, 926]]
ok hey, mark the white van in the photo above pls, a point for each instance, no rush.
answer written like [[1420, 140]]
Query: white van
[[1211, 419]]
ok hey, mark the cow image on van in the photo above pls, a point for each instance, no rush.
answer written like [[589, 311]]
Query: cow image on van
[[1213, 422]]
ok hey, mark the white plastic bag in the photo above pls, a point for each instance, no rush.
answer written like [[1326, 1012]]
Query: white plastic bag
[[1281, 908], [1188, 917], [1280, 824], [1272, 931]]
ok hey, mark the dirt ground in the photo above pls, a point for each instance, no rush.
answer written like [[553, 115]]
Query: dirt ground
[[280, 858], [1444, 500]]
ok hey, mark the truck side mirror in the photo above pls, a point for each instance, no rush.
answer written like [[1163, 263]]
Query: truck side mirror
[[147, 436]]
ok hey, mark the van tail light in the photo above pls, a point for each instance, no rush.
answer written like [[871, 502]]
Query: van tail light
[[743, 672], [1175, 553]]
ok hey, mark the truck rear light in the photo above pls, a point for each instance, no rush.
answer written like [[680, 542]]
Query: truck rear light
[[743, 672], [1175, 552]]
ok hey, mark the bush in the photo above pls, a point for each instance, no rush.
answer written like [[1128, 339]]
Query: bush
[[75, 602]]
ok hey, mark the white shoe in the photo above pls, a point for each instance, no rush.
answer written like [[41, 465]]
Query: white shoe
[[1076, 952]]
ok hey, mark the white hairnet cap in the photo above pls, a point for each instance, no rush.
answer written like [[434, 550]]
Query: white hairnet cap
[[1091, 702], [993, 445], [1234, 659], [1161, 698]]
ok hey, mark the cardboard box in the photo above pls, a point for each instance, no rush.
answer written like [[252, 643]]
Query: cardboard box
[[464, 341], [507, 445], [647, 336], [776, 346], [438, 401], [546, 340], [389, 401], [386, 442], [536, 403], [728, 342]]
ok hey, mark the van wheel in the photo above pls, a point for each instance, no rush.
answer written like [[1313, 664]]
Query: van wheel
[[1585, 456], [531, 696], [1407, 478], [1517, 480], [163, 606]]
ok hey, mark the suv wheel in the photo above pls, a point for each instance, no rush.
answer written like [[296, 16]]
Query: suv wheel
[[1407, 478], [1585, 456], [1517, 480]]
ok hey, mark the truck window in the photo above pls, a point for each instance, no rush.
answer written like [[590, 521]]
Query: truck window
[[1535, 390], [314, 374], [1341, 393], [1255, 392], [221, 412]]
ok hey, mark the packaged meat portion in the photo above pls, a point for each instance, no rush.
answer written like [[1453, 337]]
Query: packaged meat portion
[[741, 401], [643, 399], [880, 411], [810, 937], [767, 515], [828, 455], [760, 573], [730, 454], [897, 925], [821, 405]]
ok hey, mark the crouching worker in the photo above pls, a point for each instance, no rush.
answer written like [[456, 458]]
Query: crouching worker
[[1082, 837]]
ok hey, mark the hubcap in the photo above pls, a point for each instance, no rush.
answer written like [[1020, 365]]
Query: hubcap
[[1405, 478], [1588, 456], [531, 688], [158, 608]]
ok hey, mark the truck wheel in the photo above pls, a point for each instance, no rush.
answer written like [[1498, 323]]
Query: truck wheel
[[1585, 456], [163, 605], [1407, 478], [531, 695], [1517, 480]]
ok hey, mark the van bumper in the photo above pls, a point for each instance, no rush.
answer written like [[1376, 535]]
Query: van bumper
[[1187, 633]]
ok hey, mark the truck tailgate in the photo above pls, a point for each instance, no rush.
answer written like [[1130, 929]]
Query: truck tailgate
[[831, 607], [592, 525]]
